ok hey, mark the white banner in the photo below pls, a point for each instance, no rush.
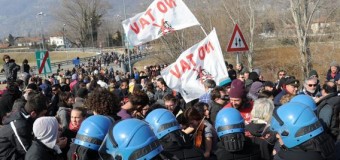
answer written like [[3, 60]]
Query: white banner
[[200, 62], [161, 17]]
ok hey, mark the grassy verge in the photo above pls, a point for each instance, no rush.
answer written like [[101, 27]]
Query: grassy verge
[[55, 56]]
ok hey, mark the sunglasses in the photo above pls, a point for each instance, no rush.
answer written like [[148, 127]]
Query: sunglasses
[[312, 85]]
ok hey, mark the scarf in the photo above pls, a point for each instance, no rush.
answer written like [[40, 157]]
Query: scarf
[[73, 128]]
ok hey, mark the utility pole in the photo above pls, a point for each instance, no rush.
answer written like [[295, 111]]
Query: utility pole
[[42, 30], [64, 40], [127, 42]]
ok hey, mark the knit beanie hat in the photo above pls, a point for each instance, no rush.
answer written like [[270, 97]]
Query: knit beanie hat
[[255, 88], [74, 76], [82, 92], [253, 76], [237, 89], [46, 131], [334, 64], [313, 73]]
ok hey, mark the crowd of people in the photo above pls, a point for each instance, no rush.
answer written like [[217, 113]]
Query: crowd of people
[[93, 112]]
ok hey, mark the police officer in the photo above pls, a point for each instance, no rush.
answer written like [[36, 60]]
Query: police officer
[[131, 139], [165, 126], [306, 100], [89, 138], [233, 144], [301, 134]]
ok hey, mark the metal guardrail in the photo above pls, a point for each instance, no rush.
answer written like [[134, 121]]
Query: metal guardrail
[[133, 59]]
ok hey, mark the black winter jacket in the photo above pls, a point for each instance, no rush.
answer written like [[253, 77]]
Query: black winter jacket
[[38, 151], [11, 70], [11, 148], [332, 124], [250, 151], [175, 147]]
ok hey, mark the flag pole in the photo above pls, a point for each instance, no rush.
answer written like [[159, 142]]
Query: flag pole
[[203, 30]]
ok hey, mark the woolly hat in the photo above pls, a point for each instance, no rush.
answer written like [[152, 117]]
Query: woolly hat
[[253, 76], [46, 130], [268, 84], [74, 76], [82, 92], [334, 64], [255, 88], [237, 89], [32, 86], [313, 73], [225, 82]]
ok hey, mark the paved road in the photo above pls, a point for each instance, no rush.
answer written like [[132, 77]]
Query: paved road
[[68, 66]]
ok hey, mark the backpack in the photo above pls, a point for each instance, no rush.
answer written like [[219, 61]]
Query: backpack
[[328, 113]]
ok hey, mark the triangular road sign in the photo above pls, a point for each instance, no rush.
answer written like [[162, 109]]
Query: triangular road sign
[[237, 42]]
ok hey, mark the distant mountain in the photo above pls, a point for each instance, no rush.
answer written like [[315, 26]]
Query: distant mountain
[[19, 17]]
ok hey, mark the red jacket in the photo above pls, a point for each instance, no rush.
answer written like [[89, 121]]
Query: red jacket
[[245, 110]]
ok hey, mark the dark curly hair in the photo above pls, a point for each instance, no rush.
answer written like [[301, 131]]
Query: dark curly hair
[[139, 99], [103, 102]]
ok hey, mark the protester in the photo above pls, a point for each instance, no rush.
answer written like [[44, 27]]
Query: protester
[[280, 74], [11, 68], [138, 100], [328, 110], [162, 89], [310, 86], [16, 133], [289, 87], [101, 101], [333, 74], [239, 101], [64, 109], [78, 115], [44, 146], [259, 127], [240, 68], [7, 99], [219, 99], [204, 136], [209, 85], [173, 104]]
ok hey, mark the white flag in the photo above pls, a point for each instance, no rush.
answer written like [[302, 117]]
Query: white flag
[[161, 17], [200, 62]]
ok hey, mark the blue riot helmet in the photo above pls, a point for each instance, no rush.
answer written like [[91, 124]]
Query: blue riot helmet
[[162, 122], [229, 120], [306, 100], [130, 139], [295, 123], [93, 131]]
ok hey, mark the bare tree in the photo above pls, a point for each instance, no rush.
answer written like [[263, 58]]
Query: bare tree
[[82, 19], [303, 12], [245, 15]]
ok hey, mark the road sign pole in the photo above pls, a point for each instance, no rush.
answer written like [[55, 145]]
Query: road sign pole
[[237, 57]]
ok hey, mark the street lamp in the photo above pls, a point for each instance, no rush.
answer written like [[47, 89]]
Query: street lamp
[[42, 30]]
